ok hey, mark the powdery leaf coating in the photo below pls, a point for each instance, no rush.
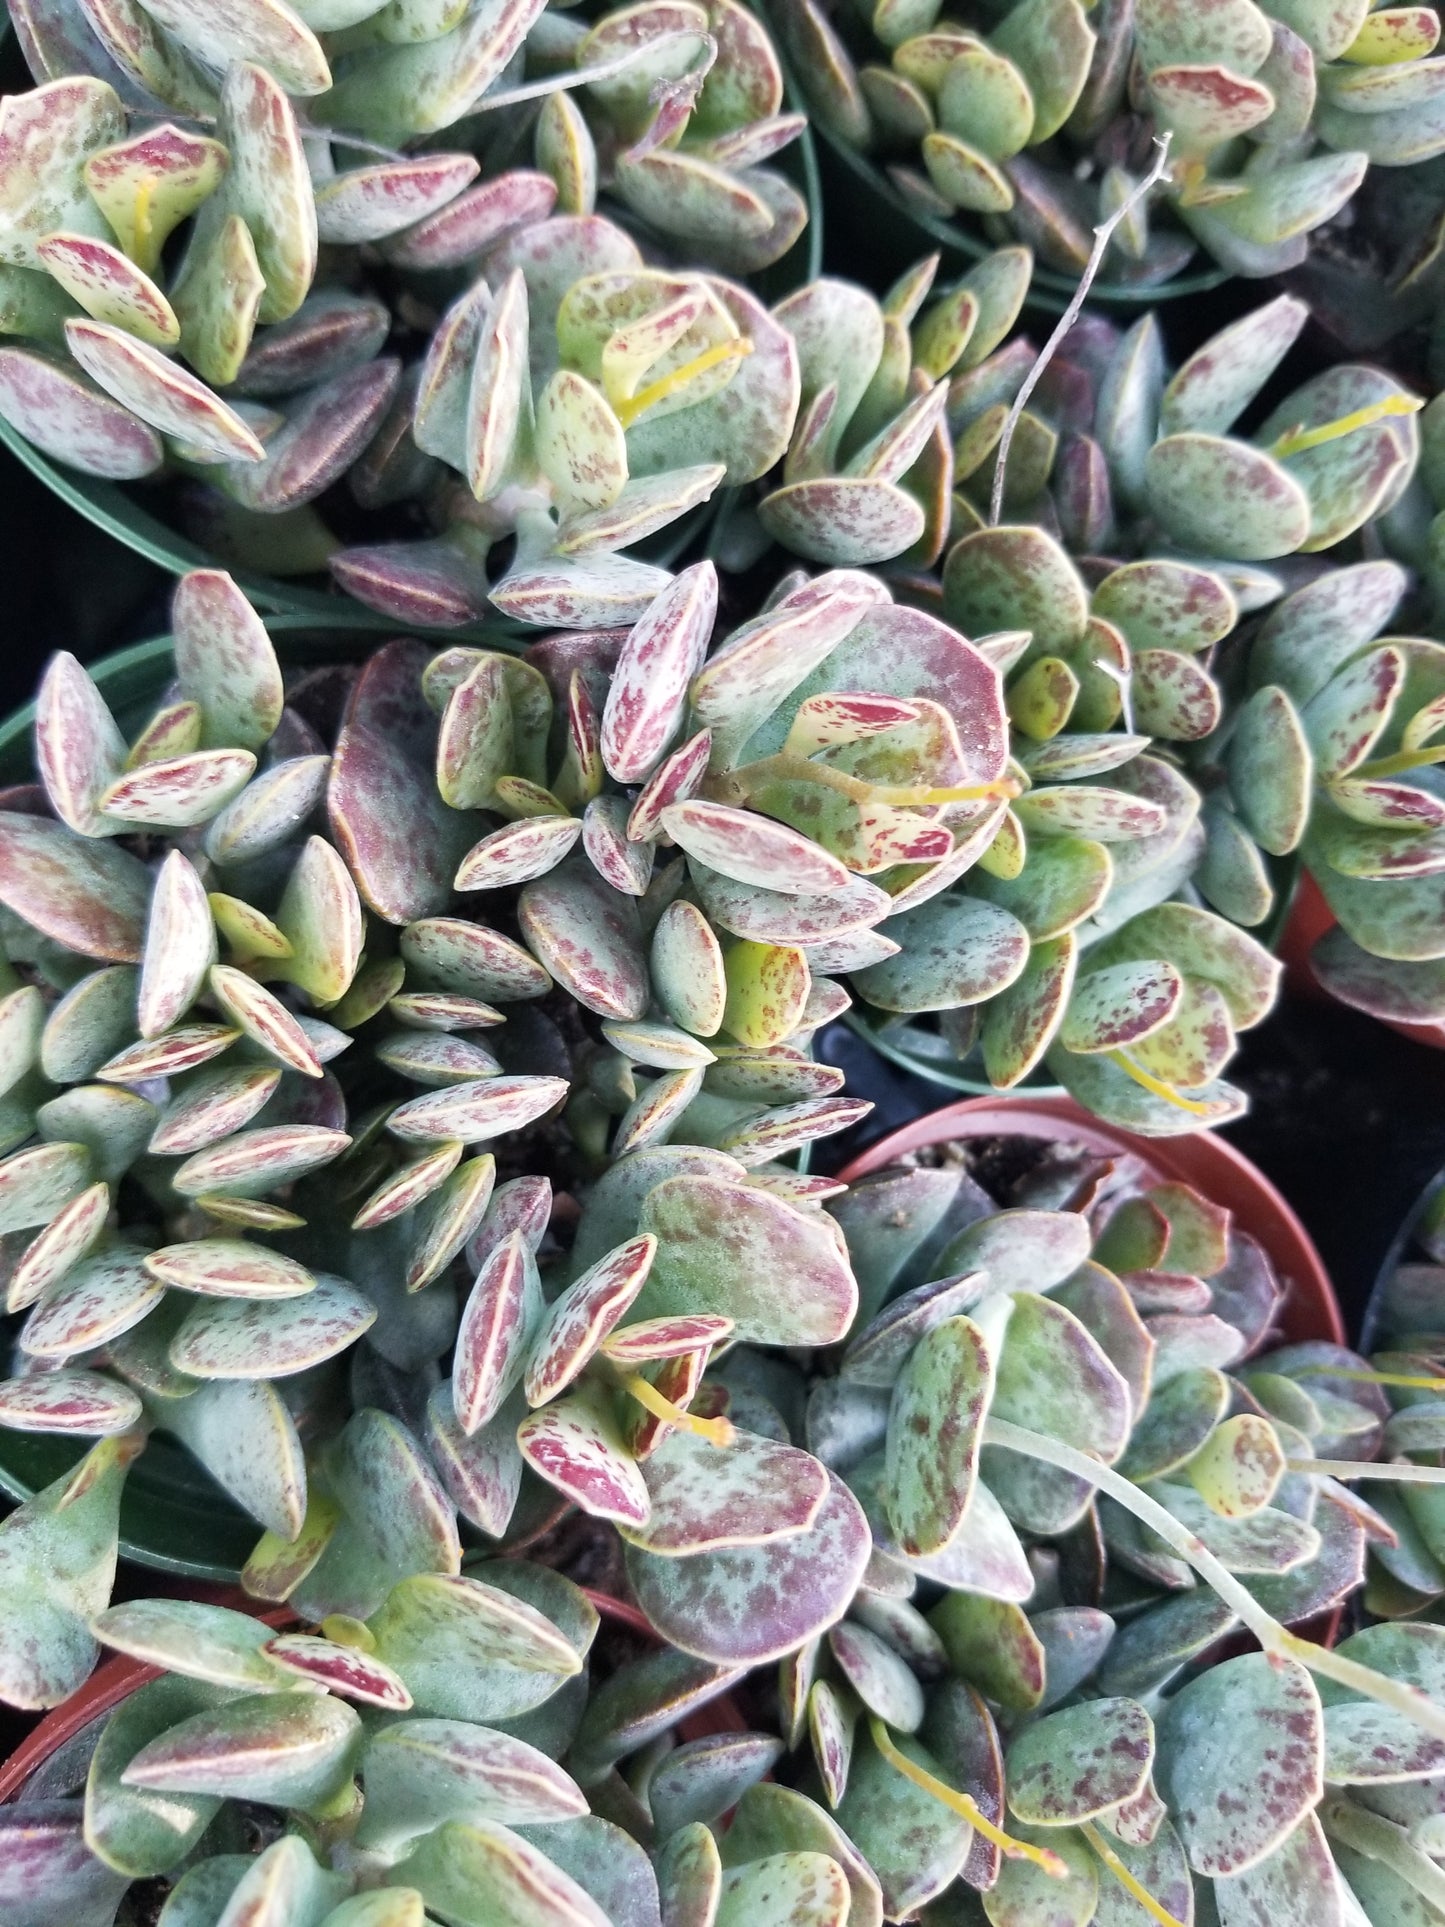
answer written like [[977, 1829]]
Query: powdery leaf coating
[[181, 791], [1074, 1765], [64, 1241], [252, 1162], [749, 1604], [74, 422], [934, 1429], [706, 1498], [225, 661], [283, 1748], [180, 947], [472, 960], [178, 1050], [99, 1299], [518, 852], [1241, 1756], [373, 203], [45, 135]]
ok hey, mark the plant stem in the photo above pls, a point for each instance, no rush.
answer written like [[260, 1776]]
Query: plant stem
[[1273, 1638], [1132, 1886], [1380, 1839], [1103, 234], [1397, 1471], [1157, 1087], [963, 1805], [1300, 439]]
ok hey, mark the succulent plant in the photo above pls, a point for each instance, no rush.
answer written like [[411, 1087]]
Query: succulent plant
[[248, 362], [1037, 116], [869, 470], [999, 1694]]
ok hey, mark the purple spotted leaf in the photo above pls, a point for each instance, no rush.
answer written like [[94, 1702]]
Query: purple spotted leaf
[[176, 1051], [70, 1234], [686, 964], [295, 1749], [253, 1162], [180, 947], [452, 1215], [482, 1473], [73, 421], [476, 1111], [472, 960], [99, 1299], [355, 1675], [212, 1107], [586, 592], [588, 936], [46, 1862], [653, 1338], [271, 808], [37, 1183], [706, 1497], [422, 1771], [748, 848], [1075, 1765], [501, 1315], [791, 1126], [483, 1872], [161, 393], [241, 1338], [180, 792], [935, 1425], [776, 1075], [575, 1445], [79, 751], [89, 896], [213, 1644], [578, 1322], [704, 1778], [617, 859], [1088, 1401], [383, 200], [647, 696], [1240, 1760], [719, 1244], [524, 1205], [80, 1403], [229, 1268], [745, 1605]]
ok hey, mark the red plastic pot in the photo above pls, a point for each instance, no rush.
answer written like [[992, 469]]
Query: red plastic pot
[[1211, 1165], [1310, 1309], [1309, 918], [116, 1679]]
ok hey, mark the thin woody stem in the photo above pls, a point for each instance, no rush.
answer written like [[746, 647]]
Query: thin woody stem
[[1273, 1637], [1103, 234]]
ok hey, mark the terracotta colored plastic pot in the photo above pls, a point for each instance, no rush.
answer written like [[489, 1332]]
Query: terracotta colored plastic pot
[[1310, 1310], [1309, 919], [116, 1679]]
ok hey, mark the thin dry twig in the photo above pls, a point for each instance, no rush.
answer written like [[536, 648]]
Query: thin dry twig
[[1103, 234]]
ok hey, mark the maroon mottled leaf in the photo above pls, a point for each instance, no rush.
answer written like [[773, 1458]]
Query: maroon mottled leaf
[[749, 848], [648, 694], [229, 1268], [181, 1049], [88, 895], [401, 841], [226, 1337], [472, 960], [589, 937], [478, 1110], [62, 1244], [73, 421], [181, 791], [501, 1315], [745, 1605], [578, 1322], [249, 1164], [623, 863], [79, 751], [574, 1444], [372, 203], [473, 221], [707, 1497], [85, 1404], [161, 393], [654, 1338], [354, 1674]]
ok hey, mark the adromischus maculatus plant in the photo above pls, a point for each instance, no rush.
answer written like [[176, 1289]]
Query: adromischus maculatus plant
[[994, 1733], [1037, 117]]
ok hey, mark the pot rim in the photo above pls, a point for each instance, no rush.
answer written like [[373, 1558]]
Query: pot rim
[[1198, 1157]]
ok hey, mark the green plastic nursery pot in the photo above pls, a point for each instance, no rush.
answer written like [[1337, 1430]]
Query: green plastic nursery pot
[[1310, 1311], [45, 1751]]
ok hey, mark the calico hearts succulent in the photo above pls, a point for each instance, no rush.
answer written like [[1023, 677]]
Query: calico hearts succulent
[[1036, 117]]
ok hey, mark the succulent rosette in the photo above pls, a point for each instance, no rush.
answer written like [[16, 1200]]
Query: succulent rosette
[[267, 309], [1052, 1465], [869, 471], [1037, 118]]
